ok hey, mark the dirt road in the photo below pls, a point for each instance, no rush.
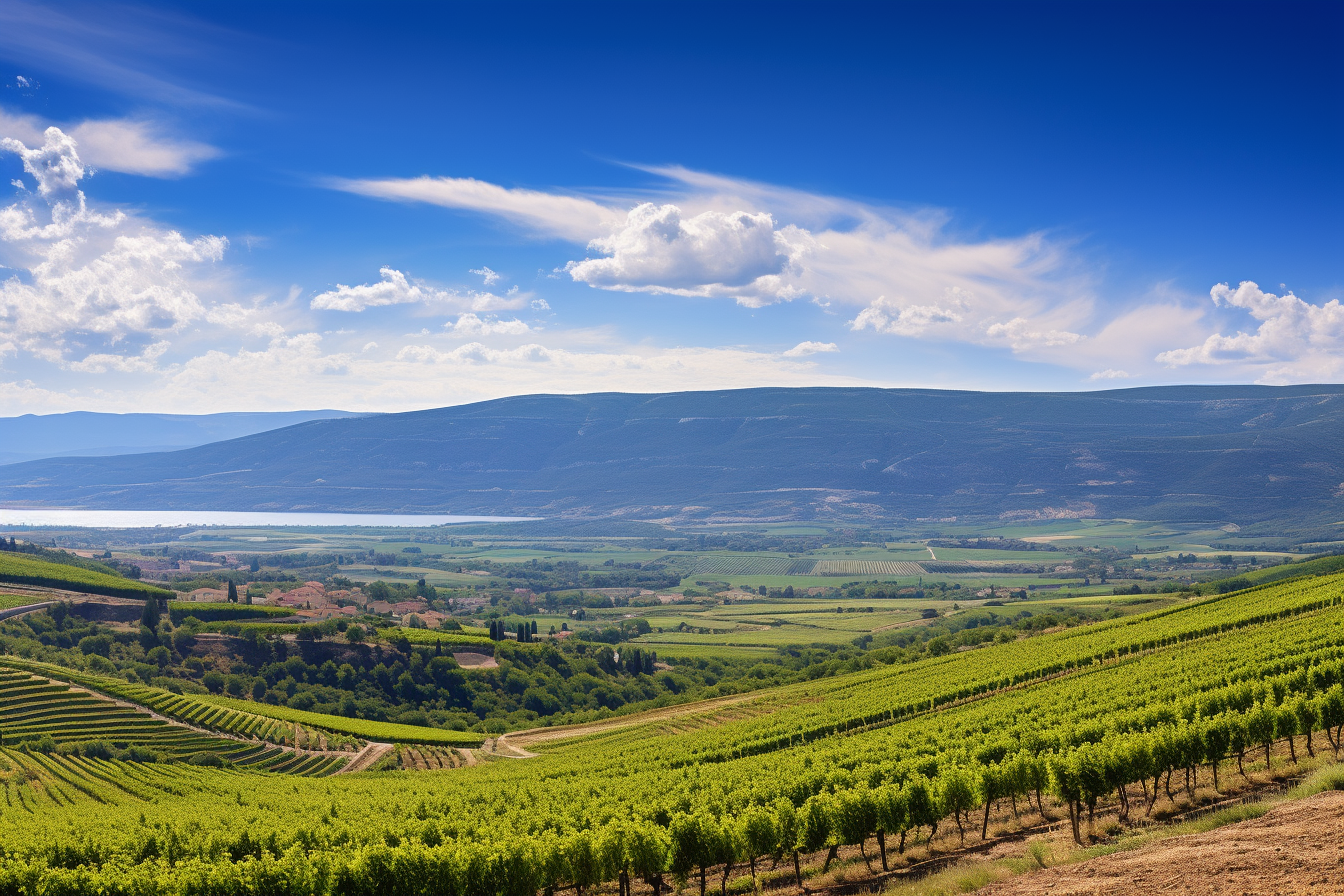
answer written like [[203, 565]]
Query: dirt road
[[1294, 850], [514, 744]]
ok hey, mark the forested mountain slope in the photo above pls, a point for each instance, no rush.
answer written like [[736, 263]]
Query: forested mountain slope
[[1238, 454]]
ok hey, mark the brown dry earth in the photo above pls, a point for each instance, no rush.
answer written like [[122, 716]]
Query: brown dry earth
[[1293, 850]]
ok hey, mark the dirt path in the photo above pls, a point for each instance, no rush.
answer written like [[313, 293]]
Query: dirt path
[[365, 758], [514, 744], [1293, 850]]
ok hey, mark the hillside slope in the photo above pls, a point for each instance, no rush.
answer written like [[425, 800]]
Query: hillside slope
[[1226, 453], [89, 434]]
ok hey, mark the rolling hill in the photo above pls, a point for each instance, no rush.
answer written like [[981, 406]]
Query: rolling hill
[[1235, 454], [89, 434]]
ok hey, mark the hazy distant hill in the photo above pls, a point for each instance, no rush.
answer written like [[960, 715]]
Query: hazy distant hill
[[34, 436], [1226, 453]]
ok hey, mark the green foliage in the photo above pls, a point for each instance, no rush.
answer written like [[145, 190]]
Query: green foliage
[[24, 570]]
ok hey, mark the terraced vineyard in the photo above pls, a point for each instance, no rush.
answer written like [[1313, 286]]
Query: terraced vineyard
[[33, 708], [277, 724]]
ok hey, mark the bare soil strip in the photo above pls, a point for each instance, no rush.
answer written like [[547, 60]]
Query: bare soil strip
[[1293, 850], [517, 741], [365, 758]]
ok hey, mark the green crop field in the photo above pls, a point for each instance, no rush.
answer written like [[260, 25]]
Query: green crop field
[[1081, 716], [10, 601], [391, 732], [33, 708], [23, 570]]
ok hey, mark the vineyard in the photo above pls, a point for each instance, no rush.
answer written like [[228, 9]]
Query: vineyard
[[277, 724], [21, 570], [50, 716], [784, 566], [1111, 715], [867, 568]]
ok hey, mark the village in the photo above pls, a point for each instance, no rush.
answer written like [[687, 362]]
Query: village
[[312, 602]]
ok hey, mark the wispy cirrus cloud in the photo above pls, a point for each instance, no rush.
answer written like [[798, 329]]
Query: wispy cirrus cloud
[[573, 218], [129, 146], [114, 47]]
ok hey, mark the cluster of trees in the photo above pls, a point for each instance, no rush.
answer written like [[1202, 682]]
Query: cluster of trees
[[394, 680], [525, 633]]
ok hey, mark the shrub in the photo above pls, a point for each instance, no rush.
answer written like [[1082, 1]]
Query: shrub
[[100, 645], [138, 753], [97, 749], [207, 759]]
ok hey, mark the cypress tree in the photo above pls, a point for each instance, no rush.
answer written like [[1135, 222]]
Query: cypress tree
[[150, 618], [233, 593]]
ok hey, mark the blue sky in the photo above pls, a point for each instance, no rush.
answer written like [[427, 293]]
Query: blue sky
[[253, 206]]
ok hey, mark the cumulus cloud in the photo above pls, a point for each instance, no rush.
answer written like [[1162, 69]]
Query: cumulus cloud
[[489, 276], [129, 146], [89, 276], [471, 325], [911, 320], [1022, 334], [395, 288], [1109, 374], [803, 349], [738, 254], [1295, 339]]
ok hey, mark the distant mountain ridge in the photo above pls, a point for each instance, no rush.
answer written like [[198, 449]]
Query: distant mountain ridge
[[91, 434], [1239, 454]]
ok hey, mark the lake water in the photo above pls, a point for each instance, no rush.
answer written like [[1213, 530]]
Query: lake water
[[145, 519]]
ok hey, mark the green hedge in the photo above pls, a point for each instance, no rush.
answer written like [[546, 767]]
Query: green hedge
[[20, 570], [392, 732], [223, 612]]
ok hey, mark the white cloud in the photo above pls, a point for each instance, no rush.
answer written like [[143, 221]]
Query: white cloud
[[129, 146], [54, 163], [540, 305], [738, 254], [550, 214], [1022, 334], [1109, 374], [470, 325], [911, 320], [1295, 341], [489, 276], [395, 288], [803, 349], [414, 376], [89, 277], [138, 147], [902, 272], [145, 362]]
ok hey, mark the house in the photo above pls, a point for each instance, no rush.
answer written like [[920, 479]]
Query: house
[[207, 595]]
